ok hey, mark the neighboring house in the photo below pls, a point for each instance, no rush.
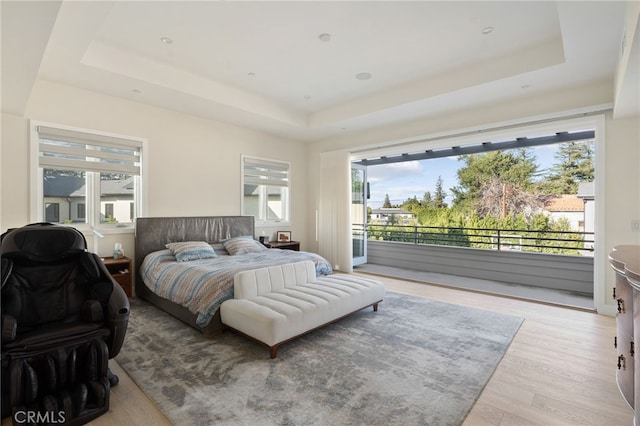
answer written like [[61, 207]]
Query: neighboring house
[[383, 215], [578, 209], [586, 192], [64, 199], [566, 206], [275, 206]]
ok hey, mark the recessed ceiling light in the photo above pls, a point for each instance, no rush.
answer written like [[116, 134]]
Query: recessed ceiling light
[[251, 74], [326, 37], [363, 76], [166, 40], [487, 30]]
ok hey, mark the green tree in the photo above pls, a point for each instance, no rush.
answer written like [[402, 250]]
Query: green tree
[[426, 199], [356, 182], [387, 203], [440, 194], [574, 164], [412, 204], [510, 171]]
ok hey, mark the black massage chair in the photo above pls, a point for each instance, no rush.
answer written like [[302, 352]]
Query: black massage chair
[[63, 318]]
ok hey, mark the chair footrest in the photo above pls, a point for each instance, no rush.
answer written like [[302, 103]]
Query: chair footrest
[[71, 382]]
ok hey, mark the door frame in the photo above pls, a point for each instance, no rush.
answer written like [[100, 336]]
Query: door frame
[[361, 195]]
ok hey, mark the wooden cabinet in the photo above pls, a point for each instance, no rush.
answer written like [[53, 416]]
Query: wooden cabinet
[[625, 260], [625, 337], [289, 245], [120, 270]]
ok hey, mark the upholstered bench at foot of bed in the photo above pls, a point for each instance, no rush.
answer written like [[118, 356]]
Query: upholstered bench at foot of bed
[[278, 303]]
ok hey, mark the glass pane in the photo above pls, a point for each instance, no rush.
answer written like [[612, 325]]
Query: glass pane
[[50, 144], [276, 202], [52, 212], [116, 196], [251, 201], [359, 214], [265, 202], [64, 191], [358, 240], [121, 156]]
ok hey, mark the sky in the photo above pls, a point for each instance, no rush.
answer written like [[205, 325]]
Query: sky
[[413, 178]]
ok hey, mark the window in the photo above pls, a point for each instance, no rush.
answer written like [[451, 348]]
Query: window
[[82, 211], [91, 177], [265, 190], [52, 212], [107, 213]]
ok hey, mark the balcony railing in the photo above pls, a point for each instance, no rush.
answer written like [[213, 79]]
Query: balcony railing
[[559, 242]]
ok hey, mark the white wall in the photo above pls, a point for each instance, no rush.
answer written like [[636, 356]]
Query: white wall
[[622, 187], [193, 164], [573, 218], [14, 172]]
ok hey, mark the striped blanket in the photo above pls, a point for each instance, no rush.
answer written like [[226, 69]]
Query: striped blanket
[[202, 285]]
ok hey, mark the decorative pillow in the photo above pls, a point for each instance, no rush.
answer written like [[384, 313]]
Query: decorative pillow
[[191, 250], [242, 245]]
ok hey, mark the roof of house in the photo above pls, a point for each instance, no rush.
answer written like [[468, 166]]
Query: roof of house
[[564, 203], [64, 186], [73, 186]]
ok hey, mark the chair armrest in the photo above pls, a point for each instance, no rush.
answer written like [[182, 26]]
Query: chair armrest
[[92, 311], [117, 318], [117, 311], [9, 328]]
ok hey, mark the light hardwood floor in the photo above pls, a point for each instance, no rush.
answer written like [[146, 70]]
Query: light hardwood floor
[[559, 370]]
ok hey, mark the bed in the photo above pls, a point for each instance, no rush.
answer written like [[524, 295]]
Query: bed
[[193, 290]]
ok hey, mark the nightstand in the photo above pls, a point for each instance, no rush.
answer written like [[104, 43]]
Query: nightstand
[[120, 270], [288, 245]]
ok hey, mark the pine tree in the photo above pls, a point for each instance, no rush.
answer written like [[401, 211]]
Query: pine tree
[[574, 165], [387, 203], [440, 194], [426, 199]]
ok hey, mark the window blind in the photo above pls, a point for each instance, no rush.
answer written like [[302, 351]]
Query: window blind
[[264, 172], [73, 150]]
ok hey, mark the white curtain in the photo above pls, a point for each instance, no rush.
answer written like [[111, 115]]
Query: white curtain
[[334, 221]]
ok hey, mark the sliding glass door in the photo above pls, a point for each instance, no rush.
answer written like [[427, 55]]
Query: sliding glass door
[[359, 213]]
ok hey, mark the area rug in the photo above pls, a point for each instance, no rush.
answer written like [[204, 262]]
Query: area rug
[[414, 362]]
